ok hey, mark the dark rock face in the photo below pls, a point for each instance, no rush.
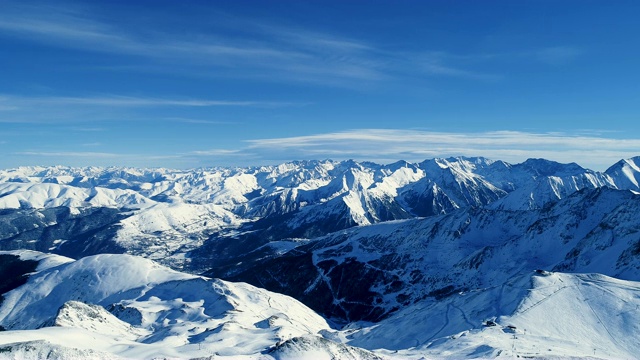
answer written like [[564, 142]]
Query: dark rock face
[[367, 273], [293, 274], [340, 291], [224, 253], [127, 314], [429, 202], [59, 231], [306, 242], [15, 272]]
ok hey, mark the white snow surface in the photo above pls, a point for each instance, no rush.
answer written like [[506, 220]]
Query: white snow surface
[[40, 349], [175, 211], [122, 306], [166, 231], [155, 312], [159, 313], [547, 315], [593, 231], [44, 195], [626, 173], [45, 261]]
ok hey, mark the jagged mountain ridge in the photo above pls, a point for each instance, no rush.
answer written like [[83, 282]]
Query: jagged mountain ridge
[[368, 273], [168, 214], [213, 219], [310, 245]]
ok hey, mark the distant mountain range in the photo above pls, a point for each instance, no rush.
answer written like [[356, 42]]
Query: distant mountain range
[[459, 243]]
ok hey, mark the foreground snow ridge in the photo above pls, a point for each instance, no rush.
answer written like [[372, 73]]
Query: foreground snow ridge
[[130, 307], [122, 306]]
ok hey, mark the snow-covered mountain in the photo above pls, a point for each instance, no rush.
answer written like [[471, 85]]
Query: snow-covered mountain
[[626, 173], [364, 245], [367, 273], [131, 307], [169, 215], [539, 315], [126, 307]]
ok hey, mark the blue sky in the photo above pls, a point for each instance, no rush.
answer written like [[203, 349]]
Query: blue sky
[[187, 84]]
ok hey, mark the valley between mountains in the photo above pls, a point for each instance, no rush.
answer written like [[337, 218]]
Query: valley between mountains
[[456, 258]]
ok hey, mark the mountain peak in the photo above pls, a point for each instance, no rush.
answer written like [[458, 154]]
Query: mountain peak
[[626, 173], [544, 167]]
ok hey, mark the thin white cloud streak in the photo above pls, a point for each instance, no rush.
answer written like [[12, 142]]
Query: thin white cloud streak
[[217, 152], [200, 121], [119, 160], [88, 129], [558, 55], [78, 31], [265, 51], [383, 145], [378, 145], [423, 138], [90, 158], [64, 154], [125, 101], [55, 109], [52, 23], [551, 55]]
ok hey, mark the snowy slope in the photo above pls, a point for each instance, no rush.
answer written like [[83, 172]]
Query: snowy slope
[[45, 261], [152, 311], [345, 239], [263, 191], [626, 173], [166, 232], [94, 318], [170, 215], [318, 348], [42, 349], [367, 273], [41, 195], [544, 315], [540, 182]]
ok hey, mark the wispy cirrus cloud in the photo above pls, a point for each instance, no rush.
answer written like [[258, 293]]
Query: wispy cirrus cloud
[[17, 102], [200, 121], [255, 48], [93, 158], [591, 150], [558, 55], [384, 145], [87, 129], [68, 154], [218, 152], [265, 49], [54, 23], [37, 109]]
